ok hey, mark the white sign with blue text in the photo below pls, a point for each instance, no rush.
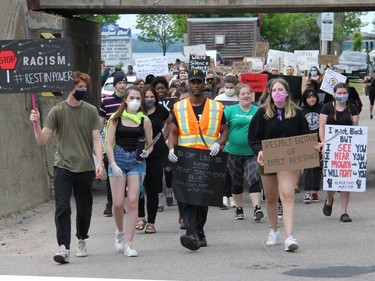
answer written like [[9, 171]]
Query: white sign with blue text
[[345, 158]]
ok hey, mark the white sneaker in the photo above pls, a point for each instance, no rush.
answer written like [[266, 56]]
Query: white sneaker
[[130, 251], [62, 256], [273, 236], [225, 201], [291, 244], [119, 241], [81, 248], [231, 202]]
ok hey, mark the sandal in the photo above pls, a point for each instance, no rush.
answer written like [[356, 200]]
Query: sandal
[[141, 223], [150, 228]]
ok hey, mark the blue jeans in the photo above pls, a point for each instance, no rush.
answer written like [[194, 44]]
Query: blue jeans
[[80, 184], [127, 162]]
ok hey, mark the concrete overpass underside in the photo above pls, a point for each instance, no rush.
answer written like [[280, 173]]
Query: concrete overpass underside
[[70, 7]]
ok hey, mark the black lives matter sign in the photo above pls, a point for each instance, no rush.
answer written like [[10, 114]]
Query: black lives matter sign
[[36, 65], [199, 178]]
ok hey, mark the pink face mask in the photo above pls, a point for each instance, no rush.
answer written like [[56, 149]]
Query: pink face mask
[[279, 96]]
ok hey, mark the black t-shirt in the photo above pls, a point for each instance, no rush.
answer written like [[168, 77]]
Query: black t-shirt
[[127, 137], [342, 117], [157, 119]]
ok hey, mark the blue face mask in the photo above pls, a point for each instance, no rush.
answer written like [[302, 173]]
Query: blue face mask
[[341, 98], [80, 94], [314, 72]]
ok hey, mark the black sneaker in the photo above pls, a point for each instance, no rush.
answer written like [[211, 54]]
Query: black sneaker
[[202, 239], [239, 214], [108, 210], [258, 214], [169, 201], [190, 242]]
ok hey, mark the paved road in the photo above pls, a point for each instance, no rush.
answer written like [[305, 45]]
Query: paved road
[[236, 250]]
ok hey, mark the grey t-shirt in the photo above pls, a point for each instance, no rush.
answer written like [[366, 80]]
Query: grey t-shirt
[[73, 127]]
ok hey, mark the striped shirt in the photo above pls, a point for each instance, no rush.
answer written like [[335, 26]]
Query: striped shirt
[[110, 105]]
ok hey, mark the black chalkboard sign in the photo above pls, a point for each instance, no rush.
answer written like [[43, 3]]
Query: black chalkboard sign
[[200, 62], [199, 178], [36, 65], [168, 103]]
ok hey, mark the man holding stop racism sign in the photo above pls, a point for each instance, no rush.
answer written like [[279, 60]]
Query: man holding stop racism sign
[[76, 125]]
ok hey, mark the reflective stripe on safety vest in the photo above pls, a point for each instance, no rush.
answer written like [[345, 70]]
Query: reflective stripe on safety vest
[[188, 125]]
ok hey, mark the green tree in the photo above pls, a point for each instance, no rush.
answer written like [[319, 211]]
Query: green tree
[[99, 18], [357, 40], [275, 29], [161, 29], [345, 24]]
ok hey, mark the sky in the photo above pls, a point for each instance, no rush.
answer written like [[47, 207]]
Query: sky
[[129, 21]]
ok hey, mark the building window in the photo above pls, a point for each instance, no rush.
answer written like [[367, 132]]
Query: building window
[[219, 39]]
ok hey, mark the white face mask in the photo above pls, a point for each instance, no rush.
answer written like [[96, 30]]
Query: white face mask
[[134, 105], [230, 92]]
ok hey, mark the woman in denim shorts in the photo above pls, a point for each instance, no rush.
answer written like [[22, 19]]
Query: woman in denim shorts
[[126, 165]]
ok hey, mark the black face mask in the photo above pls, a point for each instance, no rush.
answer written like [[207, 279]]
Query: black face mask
[[149, 103], [80, 94]]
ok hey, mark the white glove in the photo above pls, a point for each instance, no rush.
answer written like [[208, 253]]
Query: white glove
[[215, 148], [144, 154], [172, 157], [116, 170]]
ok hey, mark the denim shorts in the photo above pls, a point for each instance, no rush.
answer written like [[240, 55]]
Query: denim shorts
[[127, 162]]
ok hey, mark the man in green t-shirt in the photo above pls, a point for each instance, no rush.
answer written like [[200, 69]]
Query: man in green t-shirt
[[76, 126]]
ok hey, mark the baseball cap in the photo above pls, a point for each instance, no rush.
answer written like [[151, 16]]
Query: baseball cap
[[119, 77], [196, 74]]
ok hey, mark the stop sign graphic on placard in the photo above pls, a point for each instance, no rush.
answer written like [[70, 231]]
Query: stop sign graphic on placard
[[8, 60]]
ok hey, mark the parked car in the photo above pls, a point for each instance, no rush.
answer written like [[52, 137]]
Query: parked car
[[354, 64], [108, 88], [372, 62]]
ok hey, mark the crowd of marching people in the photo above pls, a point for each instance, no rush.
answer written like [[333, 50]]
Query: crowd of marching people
[[140, 126]]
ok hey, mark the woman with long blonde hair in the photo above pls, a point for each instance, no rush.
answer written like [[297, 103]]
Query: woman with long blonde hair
[[280, 117]]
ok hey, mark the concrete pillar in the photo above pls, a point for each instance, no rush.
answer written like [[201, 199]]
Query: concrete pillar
[[27, 168]]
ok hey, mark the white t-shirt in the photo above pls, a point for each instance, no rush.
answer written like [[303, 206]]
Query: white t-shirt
[[224, 97]]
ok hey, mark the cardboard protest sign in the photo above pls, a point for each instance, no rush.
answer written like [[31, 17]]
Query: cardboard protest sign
[[307, 59], [194, 50], [257, 82], [260, 49], [240, 67], [276, 59], [328, 59], [257, 64], [157, 66], [222, 69], [331, 78], [293, 153], [200, 62], [345, 158], [36, 65], [199, 178], [212, 54], [290, 59]]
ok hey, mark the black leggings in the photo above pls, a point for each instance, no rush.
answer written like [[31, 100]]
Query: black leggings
[[153, 184]]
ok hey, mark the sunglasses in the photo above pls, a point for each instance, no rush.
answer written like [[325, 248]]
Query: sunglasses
[[210, 79]]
